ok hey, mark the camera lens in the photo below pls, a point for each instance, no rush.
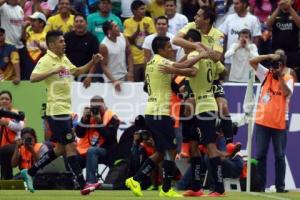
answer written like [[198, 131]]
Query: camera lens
[[28, 141], [95, 110]]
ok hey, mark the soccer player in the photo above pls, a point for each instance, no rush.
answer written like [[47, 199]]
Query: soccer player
[[212, 41], [201, 80], [57, 72], [158, 120]]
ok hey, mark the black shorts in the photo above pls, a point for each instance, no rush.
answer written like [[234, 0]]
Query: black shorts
[[189, 130], [162, 130], [218, 89], [188, 90], [206, 123], [61, 129]]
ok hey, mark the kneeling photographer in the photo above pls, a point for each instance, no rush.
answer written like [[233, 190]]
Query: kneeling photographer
[[27, 150], [97, 131], [142, 148]]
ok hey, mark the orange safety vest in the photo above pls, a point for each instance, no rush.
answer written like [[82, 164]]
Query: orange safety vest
[[8, 136], [176, 104], [85, 142], [271, 107], [26, 156]]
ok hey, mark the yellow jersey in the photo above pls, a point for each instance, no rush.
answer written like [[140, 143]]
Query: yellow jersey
[[33, 50], [201, 84], [130, 27], [155, 10], [9, 57], [159, 87], [58, 85], [214, 39], [57, 23]]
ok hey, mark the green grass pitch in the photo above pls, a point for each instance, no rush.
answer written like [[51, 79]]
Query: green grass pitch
[[127, 195]]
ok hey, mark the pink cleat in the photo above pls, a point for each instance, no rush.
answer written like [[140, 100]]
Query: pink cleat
[[191, 193], [90, 187], [216, 194]]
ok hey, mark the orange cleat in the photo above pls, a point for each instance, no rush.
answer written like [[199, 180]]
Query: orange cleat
[[192, 193]]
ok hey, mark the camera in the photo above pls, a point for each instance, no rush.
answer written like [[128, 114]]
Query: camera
[[20, 116], [28, 141], [144, 135], [275, 64], [95, 110]]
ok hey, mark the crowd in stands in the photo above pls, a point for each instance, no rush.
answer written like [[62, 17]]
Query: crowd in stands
[[24, 25], [122, 31]]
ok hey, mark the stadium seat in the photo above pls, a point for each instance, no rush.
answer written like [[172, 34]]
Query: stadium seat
[[232, 184]]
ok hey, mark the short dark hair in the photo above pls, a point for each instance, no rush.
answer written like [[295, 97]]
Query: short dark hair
[[162, 17], [159, 42], [208, 13], [245, 31], [97, 98], [282, 54], [136, 4], [6, 92], [2, 30], [29, 130], [245, 2], [174, 1], [109, 1], [80, 15], [107, 26], [194, 35], [52, 36]]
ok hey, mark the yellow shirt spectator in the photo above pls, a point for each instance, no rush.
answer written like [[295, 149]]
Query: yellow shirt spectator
[[146, 28], [58, 85], [33, 41], [155, 9], [8, 58], [57, 23]]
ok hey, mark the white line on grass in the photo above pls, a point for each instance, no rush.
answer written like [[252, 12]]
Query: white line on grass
[[267, 195]]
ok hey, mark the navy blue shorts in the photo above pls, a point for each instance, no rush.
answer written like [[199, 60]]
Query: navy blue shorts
[[189, 130], [206, 123], [188, 90], [218, 89], [162, 130], [61, 129]]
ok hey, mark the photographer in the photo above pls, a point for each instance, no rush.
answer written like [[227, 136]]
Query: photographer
[[9, 130], [142, 148], [27, 149], [97, 131], [271, 115]]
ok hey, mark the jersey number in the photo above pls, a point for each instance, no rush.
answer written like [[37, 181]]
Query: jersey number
[[148, 84], [209, 78]]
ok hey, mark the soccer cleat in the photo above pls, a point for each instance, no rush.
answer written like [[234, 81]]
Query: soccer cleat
[[134, 186], [28, 179], [216, 194], [192, 193], [89, 187], [151, 187], [170, 193]]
